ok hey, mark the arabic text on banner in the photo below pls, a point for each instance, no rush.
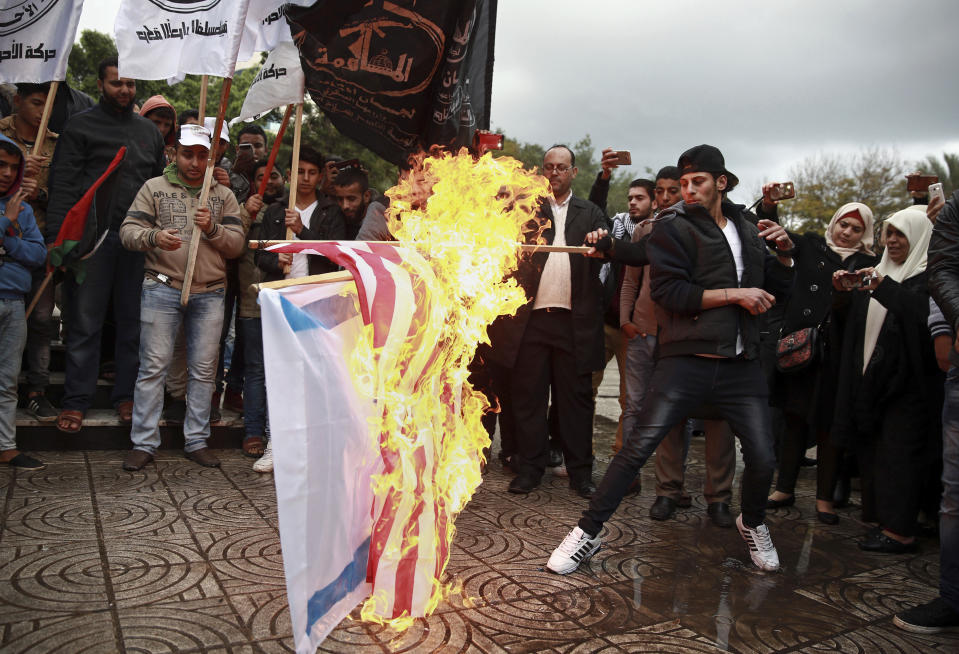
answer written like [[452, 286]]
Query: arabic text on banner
[[163, 39], [36, 37], [399, 79], [279, 82]]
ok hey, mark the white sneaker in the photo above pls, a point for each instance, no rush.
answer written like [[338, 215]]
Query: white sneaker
[[576, 548], [265, 462], [560, 471], [760, 544]]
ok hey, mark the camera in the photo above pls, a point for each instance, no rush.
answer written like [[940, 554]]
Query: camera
[[783, 191]]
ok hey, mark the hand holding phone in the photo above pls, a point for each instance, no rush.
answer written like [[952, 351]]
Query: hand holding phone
[[935, 191], [782, 191]]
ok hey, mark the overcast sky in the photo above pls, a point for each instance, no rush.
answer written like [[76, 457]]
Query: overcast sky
[[769, 83]]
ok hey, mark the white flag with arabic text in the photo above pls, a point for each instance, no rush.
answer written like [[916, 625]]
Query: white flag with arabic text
[[36, 37]]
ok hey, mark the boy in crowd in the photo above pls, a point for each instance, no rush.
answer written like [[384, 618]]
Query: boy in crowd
[[21, 250], [160, 222], [23, 128]]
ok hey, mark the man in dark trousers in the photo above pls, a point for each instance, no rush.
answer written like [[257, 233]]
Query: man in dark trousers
[[710, 276], [942, 613], [555, 342], [86, 147]]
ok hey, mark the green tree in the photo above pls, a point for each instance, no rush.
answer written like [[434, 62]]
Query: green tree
[[825, 182], [947, 169]]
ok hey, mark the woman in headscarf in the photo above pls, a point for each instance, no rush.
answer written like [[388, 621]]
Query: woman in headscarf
[[807, 396], [890, 386]]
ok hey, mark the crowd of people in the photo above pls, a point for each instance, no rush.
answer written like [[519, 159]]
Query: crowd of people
[[723, 323], [119, 279]]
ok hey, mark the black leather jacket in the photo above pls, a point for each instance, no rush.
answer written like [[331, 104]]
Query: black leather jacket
[[943, 261]]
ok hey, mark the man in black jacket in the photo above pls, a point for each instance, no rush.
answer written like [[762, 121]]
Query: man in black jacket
[[709, 267], [555, 342], [942, 613], [87, 145]]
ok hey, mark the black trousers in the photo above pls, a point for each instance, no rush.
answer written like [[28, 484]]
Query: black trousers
[[688, 385], [547, 362], [828, 458]]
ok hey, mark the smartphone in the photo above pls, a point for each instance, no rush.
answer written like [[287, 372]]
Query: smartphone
[[623, 158], [784, 191], [484, 140], [935, 191], [853, 280], [245, 147], [919, 182]]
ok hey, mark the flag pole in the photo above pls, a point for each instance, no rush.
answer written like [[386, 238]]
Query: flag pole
[[205, 192], [275, 150], [325, 278], [525, 247], [45, 118], [294, 166], [204, 84], [37, 148]]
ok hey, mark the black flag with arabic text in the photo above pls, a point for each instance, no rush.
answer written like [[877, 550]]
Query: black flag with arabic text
[[399, 77]]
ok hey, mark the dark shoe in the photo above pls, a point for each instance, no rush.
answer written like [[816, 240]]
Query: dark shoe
[[523, 485], [125, 412], [215, 408], [719, 513], [876, 541], [555, 459], [233, 400], [25, 462], [662, 509], [174, 410], [635, 488], [204, 456], [584, 489], [776, 504], [41, 408], [827, 518], [136, 459], [808, 462], [930, 618], [684, 502]]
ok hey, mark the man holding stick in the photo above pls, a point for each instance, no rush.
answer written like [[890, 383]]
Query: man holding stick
[[23, 128], [162, 218], [86, 147]]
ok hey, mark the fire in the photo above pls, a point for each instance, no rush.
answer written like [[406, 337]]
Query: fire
[[464, 218]]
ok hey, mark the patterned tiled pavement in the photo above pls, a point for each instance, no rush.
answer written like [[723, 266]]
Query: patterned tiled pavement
[[177, 558]]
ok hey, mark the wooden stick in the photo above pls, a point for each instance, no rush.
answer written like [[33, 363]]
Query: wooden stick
[[204, 84], [36, 298], [205, 192], [275, 150], [575, 249], [45, 118], [294, 166], [325, 278]]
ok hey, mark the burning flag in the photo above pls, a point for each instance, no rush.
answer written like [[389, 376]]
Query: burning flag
[[425, 305]]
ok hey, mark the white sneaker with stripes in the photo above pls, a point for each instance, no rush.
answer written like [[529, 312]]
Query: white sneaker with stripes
[[265, 462], [578, 547], [760, 544]]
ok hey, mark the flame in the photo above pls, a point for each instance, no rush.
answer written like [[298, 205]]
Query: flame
[[464, 216]]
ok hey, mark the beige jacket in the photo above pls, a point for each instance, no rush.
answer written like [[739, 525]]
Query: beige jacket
[[162, 204], [39, 206]]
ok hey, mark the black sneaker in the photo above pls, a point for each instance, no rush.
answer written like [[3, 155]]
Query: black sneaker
[[25, 462], [41, 408], [930, 618], [174, 410]]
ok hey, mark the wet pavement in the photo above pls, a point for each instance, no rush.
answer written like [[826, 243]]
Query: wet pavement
[[178, 558]]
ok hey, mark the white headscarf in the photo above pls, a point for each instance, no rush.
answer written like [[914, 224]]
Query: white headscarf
[[917, 228], [864, 214]]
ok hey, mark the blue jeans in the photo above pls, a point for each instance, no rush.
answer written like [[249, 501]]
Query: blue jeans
[[681, 386], [254, 381], [116, 273], [640, 361], [160, 316], [13, 337], [949, 509]]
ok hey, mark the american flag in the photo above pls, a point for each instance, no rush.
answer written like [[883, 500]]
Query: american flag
[[408, 548]]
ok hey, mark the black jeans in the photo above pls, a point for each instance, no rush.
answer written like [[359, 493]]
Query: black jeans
[[681, 386]]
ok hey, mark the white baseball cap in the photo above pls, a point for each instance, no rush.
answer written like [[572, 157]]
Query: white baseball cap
[[194, 135], [210, 123]]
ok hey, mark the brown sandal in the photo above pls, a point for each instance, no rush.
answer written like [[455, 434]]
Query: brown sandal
[[125, 412], [70, 422], [253, 447]]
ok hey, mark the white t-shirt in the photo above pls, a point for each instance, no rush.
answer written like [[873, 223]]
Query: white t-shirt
[[301, 266], [736, 245]]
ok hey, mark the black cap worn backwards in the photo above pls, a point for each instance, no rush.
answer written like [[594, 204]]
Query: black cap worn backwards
[[706, 159]]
